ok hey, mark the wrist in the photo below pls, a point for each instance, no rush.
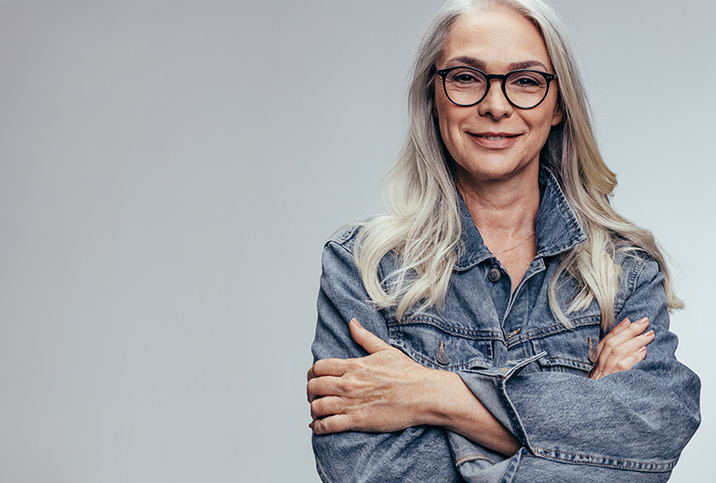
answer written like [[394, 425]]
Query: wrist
[[454, 407], [441, 403]]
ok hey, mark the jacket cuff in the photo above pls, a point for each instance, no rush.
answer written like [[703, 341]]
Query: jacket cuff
[[488, 385]]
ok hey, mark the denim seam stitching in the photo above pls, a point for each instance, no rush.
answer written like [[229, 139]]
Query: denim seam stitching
[[429, 362], [632, 279], [566, 211], [565, 359], [512, 413], [548, 361], [332, 242], [635, 276], [583, 321], [450, 329], [631, 465]]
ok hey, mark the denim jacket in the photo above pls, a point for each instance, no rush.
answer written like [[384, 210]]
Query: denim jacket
[[522, 363]]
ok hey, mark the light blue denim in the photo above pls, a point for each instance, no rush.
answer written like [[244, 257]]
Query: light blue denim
[[523, 365]]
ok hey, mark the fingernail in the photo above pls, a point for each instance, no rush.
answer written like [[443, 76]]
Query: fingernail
[[650, 333], [643, 349], [624, 322], [642, 321], [356, 322]]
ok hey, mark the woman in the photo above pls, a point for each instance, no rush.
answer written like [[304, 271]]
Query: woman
[[483, 342]]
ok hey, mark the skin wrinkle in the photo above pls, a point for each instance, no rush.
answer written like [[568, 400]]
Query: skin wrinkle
[[499, 185], [479, 64], [498, 180]]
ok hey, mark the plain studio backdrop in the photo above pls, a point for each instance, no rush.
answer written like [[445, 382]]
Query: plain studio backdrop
[[169, 172]]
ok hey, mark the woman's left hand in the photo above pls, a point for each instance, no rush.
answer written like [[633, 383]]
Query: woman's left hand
[[622, 348], [382, 392]]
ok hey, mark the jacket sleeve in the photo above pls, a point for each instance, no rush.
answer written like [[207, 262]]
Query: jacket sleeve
[[416, 454], [637, 420]]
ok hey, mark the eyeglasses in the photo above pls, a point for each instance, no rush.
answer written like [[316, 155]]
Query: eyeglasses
[[467, 86]]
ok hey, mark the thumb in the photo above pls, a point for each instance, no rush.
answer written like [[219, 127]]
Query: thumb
[[365, 338]]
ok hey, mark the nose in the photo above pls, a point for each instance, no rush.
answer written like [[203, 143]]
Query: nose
[[495, 104]]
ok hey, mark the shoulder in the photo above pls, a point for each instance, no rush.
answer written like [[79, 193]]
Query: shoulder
[[635, 263], [340, 252], [345, 237], [339, 257], [638, 269]]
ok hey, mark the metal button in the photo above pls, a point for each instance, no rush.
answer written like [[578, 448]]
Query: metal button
[[441, 356], [494, 275], [592, 352]]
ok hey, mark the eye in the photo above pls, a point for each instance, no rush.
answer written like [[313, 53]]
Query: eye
[[526, 81], [465, 77]]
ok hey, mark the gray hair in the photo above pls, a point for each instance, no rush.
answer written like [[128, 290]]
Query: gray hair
[[423, 225]]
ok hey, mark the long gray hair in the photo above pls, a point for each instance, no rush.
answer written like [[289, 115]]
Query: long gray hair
[[424, 226]]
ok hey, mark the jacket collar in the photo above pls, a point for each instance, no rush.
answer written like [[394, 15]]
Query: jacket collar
[[557, 227]]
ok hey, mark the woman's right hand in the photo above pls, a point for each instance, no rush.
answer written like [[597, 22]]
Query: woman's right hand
[[621, 348]]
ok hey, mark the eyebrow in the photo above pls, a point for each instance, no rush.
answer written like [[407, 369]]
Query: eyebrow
[[468, 61], [479, 64], [528, 64]]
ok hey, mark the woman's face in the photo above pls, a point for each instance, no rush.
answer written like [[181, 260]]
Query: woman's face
[[494, 140]]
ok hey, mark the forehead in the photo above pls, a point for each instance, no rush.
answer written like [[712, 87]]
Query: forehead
[[495, 36]]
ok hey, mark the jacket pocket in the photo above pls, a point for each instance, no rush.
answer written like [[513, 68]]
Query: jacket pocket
[[437, 344], [568, 350]]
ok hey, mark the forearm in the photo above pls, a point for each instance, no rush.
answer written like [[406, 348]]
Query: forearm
[[453, 406], [387, 391]]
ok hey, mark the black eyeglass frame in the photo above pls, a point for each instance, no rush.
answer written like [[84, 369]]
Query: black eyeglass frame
[[488, 77]]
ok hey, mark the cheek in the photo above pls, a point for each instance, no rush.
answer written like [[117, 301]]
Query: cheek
[[544, 121], [448, 134], [447, 123]]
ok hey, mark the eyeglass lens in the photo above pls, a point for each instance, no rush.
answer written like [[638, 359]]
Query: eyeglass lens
[[524, 88]]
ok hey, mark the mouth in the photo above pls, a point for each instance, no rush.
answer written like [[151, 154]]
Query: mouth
[[493, 140]]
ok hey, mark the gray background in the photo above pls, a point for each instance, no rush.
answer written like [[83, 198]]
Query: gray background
[[169, 171]]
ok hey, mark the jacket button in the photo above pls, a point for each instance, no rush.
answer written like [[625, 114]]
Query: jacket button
[[494, 275], [592, 352], [441, 356]]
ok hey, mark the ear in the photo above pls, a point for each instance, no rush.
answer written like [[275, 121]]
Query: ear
[[557, 116]]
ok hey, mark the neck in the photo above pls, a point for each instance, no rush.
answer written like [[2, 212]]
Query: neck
[[503, 210]]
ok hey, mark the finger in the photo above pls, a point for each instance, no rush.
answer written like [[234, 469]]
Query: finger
[[324, 386], [633, 329], [625, 350], [328, 367], [628, 333], [332, 424], [620, 326], [637, 343], [614, 339], [616, 330], [629, 362], [601, 355], [366, 339], [327, 406]]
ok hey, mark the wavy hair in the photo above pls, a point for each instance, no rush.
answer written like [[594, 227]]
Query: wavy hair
[[423, 227]]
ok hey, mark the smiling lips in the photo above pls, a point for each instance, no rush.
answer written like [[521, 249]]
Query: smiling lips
[[494, 140]]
